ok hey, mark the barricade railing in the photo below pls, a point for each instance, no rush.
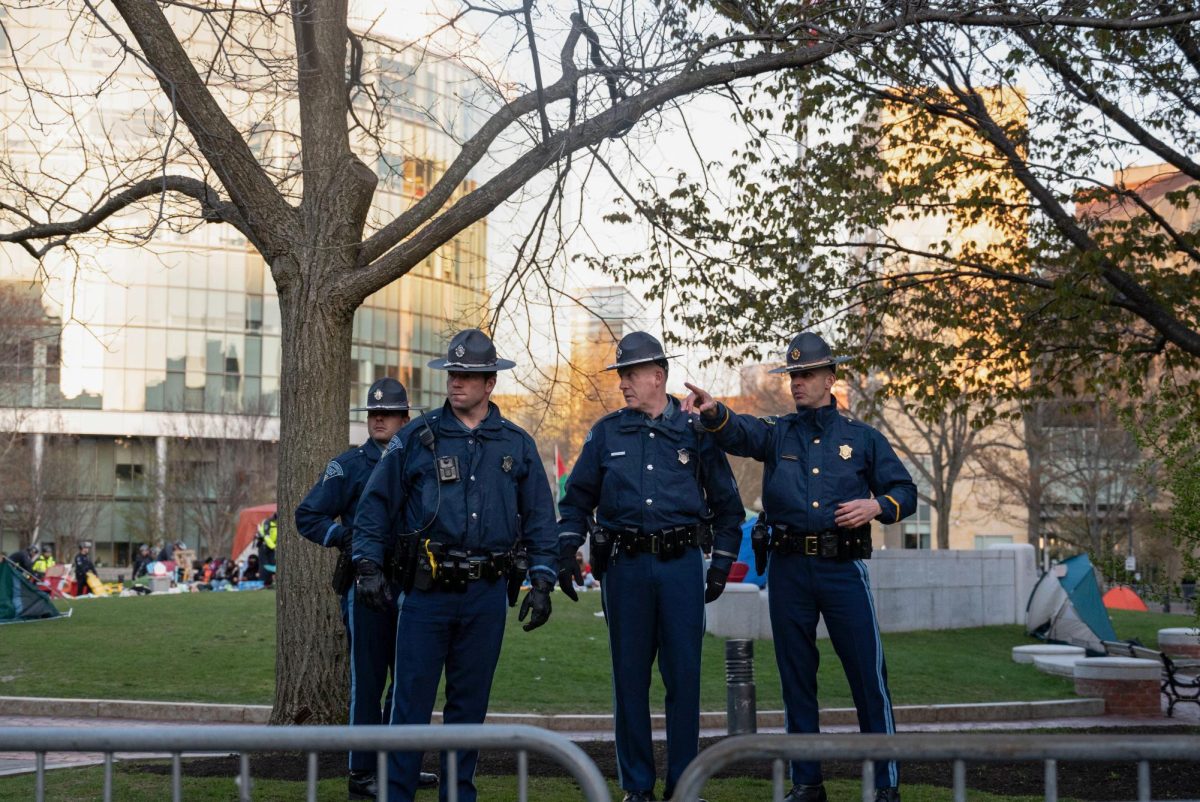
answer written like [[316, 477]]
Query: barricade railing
[[957, 748], [175, 741]]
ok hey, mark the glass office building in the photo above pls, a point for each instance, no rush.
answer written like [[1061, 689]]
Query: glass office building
[[118, 359]]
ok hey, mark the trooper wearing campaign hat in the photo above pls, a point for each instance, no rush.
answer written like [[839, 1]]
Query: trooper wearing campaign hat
[[326, 517], [654, 485], [459, 492], [826, 476]]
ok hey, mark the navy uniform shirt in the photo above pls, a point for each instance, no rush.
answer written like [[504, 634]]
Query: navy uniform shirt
[[815, 459], [501, 494], [328, 509], [645, 475]]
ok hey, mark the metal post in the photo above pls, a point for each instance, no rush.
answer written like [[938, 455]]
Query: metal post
[[741, 710]]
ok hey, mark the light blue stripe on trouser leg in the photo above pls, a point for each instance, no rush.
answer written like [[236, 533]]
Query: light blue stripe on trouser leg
[[892, 772]]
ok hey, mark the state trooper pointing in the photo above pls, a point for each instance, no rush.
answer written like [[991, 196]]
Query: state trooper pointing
[[654, 484], [325, 517], [825, 478], [467, 493]]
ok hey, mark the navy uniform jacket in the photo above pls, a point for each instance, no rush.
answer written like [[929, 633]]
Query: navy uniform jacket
[[815, 459], [336, 495], [645, 475], [502, 492]]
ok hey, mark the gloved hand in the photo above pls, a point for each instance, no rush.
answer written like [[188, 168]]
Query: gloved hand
[[715, 583], [569, 572], [371, 588], [537, 600]]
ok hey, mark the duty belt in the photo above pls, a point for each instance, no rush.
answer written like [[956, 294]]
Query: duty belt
[[832, 544], [451, 567], [666, 543]]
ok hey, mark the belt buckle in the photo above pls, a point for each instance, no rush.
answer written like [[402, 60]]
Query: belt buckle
[[654, 543], [474, 569], [810, 545]]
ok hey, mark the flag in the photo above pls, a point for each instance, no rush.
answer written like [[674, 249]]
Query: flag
[[560, 473]]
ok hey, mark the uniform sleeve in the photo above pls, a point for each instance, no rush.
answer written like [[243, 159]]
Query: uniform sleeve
[[890, 482], [721, 490], [380, 506], [740, 435], [537, 516], [325, 502], [582, 492]]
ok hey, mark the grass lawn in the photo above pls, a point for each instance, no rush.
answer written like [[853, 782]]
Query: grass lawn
[[86, 784], [219, 647]]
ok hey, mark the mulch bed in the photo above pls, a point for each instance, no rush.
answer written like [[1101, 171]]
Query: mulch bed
[[1091, 781]]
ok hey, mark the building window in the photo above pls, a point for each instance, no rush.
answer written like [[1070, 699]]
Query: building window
[[983, 541], [916, 530]]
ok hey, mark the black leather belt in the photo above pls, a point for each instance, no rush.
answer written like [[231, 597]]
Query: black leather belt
[[830, 544], [667, 543], [452, 568]]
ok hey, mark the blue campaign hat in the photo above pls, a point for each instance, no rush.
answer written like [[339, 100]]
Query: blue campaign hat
[[808, 351], [472, 351], [386, 395], [636, 348]]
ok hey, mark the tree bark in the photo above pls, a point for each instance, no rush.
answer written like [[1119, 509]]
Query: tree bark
[[311, 650]]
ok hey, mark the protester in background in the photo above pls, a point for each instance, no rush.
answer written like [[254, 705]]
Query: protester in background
[[141, 563]]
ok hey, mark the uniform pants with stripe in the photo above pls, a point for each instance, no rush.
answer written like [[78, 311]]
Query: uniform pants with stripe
[[801, 589], [372, 637], [655, 608], [458, 632]]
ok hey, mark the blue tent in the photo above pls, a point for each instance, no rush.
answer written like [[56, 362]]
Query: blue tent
[[1066, 606]]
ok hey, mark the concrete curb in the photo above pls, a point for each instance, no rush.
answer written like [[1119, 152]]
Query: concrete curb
[[260, 714]]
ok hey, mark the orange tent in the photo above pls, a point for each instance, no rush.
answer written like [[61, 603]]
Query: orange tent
[[247, 525], [1124, 599]]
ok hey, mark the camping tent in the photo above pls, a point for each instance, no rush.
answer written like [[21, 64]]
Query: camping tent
[[247, 525], [20, 600], [1124, 598], [1065, 606]]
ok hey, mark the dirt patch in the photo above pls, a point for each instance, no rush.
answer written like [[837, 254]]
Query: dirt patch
[[1091, 781]]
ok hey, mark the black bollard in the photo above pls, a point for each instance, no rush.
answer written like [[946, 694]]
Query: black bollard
[[741, 709]]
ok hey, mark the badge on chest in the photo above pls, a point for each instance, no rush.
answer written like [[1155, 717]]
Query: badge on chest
[[684, 456]]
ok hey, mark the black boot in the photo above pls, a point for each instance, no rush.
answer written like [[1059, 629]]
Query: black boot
[[806, 793], [888, 794], [427, 779], [362, 785]]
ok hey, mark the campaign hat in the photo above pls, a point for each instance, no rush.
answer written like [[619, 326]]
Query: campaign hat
[[472, 351], [808, 351], [636, 348]]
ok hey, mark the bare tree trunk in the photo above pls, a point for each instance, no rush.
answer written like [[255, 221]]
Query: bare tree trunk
[[311, 649], [945, 504]]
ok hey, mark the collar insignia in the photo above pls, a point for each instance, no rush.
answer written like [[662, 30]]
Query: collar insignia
[[506, 463], [684, 456], [845, 451]]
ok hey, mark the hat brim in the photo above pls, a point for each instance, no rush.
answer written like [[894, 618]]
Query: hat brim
[[458, 367], [824, 363], [383, 409], [642, 361]]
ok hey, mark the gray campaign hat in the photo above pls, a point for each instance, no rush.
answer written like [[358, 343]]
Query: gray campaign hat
[[472, 351], [636, 348], [808, 351], [386, 395]]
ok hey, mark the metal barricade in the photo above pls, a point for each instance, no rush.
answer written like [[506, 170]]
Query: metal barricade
[[246, 739], [955, 747]]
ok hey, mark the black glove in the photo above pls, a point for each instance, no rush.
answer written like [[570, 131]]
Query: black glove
[[569, 572], [538, 600], [715, 583], [371, 588]]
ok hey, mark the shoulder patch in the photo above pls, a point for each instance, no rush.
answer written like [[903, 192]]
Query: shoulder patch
[[334, 468], [768, 419]]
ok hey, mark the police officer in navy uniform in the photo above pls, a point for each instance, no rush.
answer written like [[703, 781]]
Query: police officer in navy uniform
[[326, 518], [468, 488], [654, 484], [825, 478]]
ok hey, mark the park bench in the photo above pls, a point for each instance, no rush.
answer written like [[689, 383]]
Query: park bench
[[1180, 678]]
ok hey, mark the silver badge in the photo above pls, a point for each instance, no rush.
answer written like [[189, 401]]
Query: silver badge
[[506, 464], [619, 353], [684, 456], [378, 395], [459, 351]]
